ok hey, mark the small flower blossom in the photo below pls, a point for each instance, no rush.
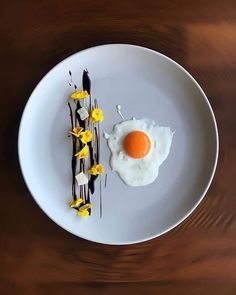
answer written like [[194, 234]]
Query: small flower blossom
[[96, 115], [86, 136], [96, 170], [84, 153], [76, 131], [83, 210], [83, 213], [76, 203], [77, 95]]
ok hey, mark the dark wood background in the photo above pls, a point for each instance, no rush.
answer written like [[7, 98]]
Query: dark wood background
[[36, 256]]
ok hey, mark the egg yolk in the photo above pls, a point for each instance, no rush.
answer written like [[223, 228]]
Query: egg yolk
[[137, 144]]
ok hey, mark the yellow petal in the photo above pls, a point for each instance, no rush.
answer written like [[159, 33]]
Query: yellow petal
[[76, 203], [79, 95], [85, 207], [83, 213], [86, 136], [76, 131], [84, 153], [83, 210], [99, 168], [92, 171], [96, 169], [96, 115]]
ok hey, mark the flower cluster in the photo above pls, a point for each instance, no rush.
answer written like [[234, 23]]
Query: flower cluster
[[92, 115], [83, 210]]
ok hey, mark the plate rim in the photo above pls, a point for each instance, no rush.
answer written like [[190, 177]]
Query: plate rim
[[188, 214]]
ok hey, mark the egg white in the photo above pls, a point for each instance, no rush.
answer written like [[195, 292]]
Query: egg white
[[139, 172]]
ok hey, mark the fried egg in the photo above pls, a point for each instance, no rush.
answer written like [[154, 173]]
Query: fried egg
[[138, 148]]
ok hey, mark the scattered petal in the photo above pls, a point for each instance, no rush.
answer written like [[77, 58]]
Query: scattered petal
[[81, 178]]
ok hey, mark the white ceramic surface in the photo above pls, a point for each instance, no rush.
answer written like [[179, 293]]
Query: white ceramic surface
[[146, 84]]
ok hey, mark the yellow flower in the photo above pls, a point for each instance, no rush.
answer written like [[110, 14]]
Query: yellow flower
[[96, 169], [76, 203], [85, 207], [96, 115], [83, 210], [76, 131], [79, 95], [83, 213], [86, 136], [84, 153]]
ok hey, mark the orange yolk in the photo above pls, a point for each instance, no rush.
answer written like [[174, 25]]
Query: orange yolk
[[137, 144]]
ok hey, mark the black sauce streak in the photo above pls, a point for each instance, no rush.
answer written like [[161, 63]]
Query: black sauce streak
[[106, 180], [92, 162], [87, 85], [73, 160], [94, 150], [81, 122], [100, 189], [88, 195], [97, 141], [91, 153], [71, 81], [86, 81], [91, 183]]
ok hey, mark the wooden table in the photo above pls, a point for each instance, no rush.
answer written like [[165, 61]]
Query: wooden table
[[38, 257]]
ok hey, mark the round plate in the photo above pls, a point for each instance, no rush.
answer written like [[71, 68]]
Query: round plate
[[146, 84]]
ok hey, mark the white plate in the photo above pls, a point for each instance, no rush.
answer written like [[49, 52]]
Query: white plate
[[146, 84]]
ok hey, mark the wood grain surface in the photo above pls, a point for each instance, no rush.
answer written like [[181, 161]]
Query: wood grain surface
[[38, 257]]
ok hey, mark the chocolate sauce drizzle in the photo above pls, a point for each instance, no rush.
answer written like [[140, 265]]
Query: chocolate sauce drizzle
[[73, 160], [94, 146], [86, 81], [71, 81], [81, 122], [105, 185]]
